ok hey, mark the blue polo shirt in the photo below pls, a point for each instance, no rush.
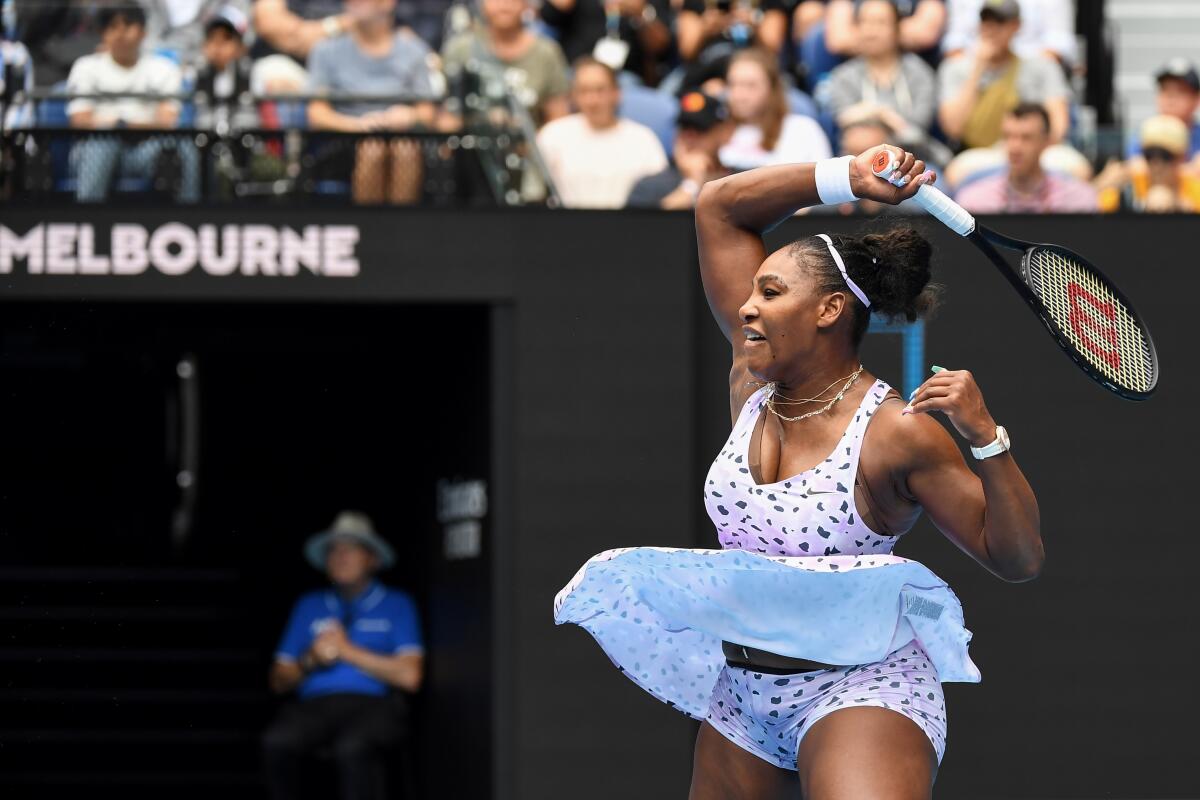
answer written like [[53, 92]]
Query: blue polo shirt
[[381, 619]]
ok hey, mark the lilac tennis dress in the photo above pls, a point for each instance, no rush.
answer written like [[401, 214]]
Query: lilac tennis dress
[[800, 575]]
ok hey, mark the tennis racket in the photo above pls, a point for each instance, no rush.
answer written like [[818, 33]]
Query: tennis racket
[[1086, 313]]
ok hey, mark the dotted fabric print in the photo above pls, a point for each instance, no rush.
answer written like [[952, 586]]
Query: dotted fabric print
[[799, 575], [768, 715]]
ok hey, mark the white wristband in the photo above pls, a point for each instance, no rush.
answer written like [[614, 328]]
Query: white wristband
[[833, 181]]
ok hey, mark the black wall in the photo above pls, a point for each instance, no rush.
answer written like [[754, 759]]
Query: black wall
[[609, 388]]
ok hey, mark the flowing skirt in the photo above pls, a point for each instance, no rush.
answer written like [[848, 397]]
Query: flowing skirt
[[661, 613]]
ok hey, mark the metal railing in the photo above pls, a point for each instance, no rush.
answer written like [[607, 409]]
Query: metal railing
[[481, 151]]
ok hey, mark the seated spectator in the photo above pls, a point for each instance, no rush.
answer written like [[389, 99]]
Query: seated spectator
[[1158, 182], [766, 132], [701, 128], [176, 28], [1025, 187], [223, 99], [122, 68], [345, 652], [16, 79], [631, 36], [711, 31], [884, 82], [1178, 96], [921, 23], [1047, 28], [57, 34], [978, 88], [294, 27], [594, 157], [530, 64], [375, 58]]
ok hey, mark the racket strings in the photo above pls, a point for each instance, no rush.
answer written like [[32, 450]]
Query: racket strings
[[1099, 325]]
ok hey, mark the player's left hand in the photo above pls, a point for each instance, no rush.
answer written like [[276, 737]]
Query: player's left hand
[[955, 394]]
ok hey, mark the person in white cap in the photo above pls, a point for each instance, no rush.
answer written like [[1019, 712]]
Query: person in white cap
[[344, 652]]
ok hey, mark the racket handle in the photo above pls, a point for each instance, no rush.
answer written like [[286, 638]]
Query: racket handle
[[930, 198]]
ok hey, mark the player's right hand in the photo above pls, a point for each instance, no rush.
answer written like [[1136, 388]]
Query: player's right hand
[[911, 171]]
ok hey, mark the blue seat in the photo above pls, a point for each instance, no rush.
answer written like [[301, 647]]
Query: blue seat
[[652, 108]]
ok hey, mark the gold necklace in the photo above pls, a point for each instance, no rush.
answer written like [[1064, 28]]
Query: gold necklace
[[800, 400], [841, 393]]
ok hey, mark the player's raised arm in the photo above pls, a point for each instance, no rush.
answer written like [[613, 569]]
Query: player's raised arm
[[732, 214]]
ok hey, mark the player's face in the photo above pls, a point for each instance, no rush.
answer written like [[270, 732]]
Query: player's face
[[779, 320]]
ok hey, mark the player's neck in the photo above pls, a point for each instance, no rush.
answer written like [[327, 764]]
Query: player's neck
[[828, 376]]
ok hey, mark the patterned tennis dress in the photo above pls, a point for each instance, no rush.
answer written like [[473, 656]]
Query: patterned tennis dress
[[800, 575]]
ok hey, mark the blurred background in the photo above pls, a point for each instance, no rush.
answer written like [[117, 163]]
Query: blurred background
[[432, 263]]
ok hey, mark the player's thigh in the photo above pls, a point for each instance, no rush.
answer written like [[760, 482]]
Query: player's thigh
[[866, 753], [723, 771]]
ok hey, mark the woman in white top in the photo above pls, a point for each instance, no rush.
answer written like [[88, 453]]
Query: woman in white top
[[766, 133]]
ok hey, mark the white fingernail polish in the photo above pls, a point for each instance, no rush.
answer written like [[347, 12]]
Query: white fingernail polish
[[904, 181]]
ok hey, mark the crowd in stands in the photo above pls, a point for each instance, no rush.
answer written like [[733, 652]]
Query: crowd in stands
[[628, 102]]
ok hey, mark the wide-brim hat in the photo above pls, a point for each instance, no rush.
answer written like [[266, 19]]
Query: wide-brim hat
[[353, 526]]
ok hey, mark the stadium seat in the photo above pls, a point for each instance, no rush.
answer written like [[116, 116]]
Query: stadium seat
[[653, 109]]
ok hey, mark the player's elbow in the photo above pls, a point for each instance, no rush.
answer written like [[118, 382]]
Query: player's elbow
[[1025, 568]]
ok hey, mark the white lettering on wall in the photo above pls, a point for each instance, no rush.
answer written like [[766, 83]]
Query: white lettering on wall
[[28, 248], [128, 245], [223, 259], [175, 248], [340, 241], [89, 262], [60, 249]]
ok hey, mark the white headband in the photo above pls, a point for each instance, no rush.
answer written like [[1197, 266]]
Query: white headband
[[837, 259]]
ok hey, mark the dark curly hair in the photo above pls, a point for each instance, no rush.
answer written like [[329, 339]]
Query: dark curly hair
[[891, 267]]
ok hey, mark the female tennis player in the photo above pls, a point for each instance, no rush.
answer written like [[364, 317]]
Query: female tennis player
[[813, 656]]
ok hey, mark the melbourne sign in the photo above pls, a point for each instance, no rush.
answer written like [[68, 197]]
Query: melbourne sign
[[174, 248]]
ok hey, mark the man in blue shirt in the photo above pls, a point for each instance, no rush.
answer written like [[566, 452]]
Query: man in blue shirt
[[345, 651]]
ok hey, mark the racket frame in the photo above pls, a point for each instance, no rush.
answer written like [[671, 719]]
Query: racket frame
[[985, 239]]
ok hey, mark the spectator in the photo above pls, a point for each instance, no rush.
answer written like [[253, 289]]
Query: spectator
[[594, 157], [176, 28], [346, 651], [1178, 96], [375, 58], [121, 68], [631, 36], [1047, 28], [223, 96], [294, 27], [898, 88], [1025, 187], [978, 88], [921, 23], [858, 137], [531, 64], [766, 132], [711, 31], [16, 78], [702, 127], [57, 34], [1158, 181]]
